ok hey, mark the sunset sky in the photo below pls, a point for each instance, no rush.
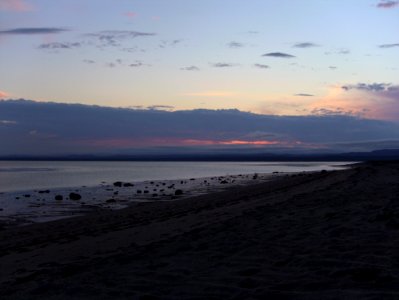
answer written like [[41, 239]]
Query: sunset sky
[[306, 58], [288, 57]]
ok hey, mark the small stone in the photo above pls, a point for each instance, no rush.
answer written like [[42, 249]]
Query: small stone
[[58, 197], [44, 192], [178, 192], [118, 183], [75, 196]]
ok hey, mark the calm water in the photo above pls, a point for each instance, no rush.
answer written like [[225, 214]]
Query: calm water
[[25, 175]]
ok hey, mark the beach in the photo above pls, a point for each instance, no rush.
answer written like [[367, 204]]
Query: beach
[[317, 235]]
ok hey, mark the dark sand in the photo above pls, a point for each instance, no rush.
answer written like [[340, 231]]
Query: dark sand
[[330, 235]]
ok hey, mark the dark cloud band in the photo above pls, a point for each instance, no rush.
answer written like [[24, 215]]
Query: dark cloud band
[[34, 30]]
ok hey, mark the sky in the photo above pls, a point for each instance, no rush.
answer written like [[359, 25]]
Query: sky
[[283, 58]]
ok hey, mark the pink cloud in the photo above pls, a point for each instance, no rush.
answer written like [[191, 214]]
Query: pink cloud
[[130, 14], [15, 5], [3, 94], [373, 101], [387, 4]]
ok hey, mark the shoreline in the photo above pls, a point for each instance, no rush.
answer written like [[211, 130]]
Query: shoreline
[[323, 235], [36, 206]]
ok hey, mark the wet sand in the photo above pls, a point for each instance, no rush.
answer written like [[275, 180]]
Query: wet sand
[[325, 235], [43, 205]]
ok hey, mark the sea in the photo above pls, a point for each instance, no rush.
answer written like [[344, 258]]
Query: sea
[[31, 175]]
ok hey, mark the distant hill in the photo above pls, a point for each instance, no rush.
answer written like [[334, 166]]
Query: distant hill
[[383, 154]]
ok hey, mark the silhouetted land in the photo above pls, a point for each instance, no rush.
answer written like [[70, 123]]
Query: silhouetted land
[[226, 155], [326, 235]]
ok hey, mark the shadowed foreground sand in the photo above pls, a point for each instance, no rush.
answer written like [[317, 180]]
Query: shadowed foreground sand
[[330, 235]]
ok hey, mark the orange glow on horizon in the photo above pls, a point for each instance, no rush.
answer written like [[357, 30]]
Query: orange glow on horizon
[[239, 142], [229, 142], [175, 142]]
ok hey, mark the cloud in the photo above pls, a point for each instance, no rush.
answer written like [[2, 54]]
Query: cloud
[[223, 65], [15, 5], [57, 46], [384, 93], [387, 4], [211, 94], [305, 45], [235, 45], [279, 54], [33, 30], [111, 65], [190, 68], [47, 128], [261, 66], [172, 43], [89, 61], [371, 100], [133, 49], [389, 45], [7, 122], [372, 87], [3, 94], [331, 112], [342, 51], [137, 64], [304, 95], [160, 107], [130, 14], [332, 67], [115, 37]]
